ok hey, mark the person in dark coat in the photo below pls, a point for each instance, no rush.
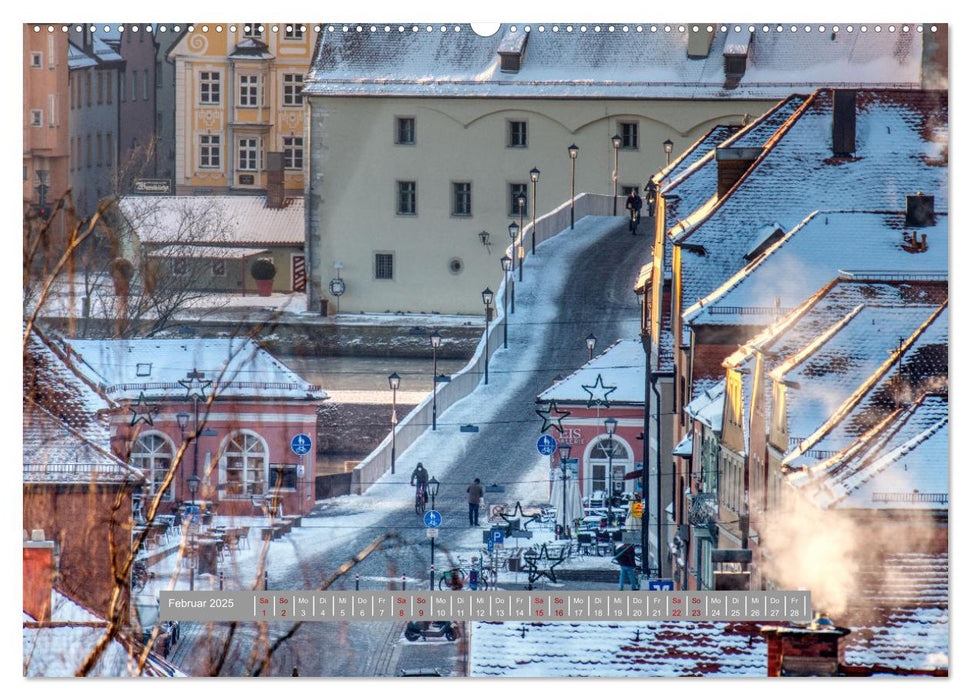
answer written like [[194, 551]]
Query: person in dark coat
[[476, 492], [625, 557], [634, 206]]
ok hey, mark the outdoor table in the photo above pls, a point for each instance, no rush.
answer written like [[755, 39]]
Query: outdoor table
[[207, 549]]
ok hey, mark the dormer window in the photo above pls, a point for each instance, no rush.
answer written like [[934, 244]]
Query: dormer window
[[510, 52]]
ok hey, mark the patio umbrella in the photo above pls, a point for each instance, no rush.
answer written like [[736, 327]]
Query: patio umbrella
[[574, 506]]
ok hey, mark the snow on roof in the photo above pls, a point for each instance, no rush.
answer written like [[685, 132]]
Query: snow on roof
[[626, 649], [620, 365], [601, 64], [902, 464], [901, 148], [205, 252], [709, 406], [683, 448], [826, 372], [76, 58], [695, 152], [237, 367], [815, 252], [100, 52], [55, 453], [54, 652], [219, 219]]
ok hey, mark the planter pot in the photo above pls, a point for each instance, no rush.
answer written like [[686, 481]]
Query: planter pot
[[264, 287]]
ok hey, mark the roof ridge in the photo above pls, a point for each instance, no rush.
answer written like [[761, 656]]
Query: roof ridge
[[65, 358]]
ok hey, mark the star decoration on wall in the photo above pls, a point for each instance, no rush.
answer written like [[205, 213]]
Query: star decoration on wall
[[142, 411], [552, 417], [194, 385], [518, 511], [598, 393], [534, 560]]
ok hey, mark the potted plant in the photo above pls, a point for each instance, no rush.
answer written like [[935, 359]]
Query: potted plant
[[122, 272], [263, 271]]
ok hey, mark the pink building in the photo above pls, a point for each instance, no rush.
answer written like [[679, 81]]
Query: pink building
[[256, 420], [610, 385]]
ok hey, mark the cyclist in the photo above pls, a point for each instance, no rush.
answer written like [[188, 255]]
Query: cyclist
[[420, 475], [634, 205]]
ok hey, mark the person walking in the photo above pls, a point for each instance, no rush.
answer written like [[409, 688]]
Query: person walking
[[476, 492], [634, 205], [625, 557]]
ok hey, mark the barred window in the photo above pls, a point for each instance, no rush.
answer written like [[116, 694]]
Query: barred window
[[384, 266]]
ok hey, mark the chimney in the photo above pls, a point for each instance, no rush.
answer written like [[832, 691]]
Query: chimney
[[920, 209], [813, 650], [732, 164], [511, 50], [38, 575], [735, 55], [844, 122], [699, 42], [274, 180]]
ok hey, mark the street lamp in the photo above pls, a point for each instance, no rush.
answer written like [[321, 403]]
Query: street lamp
[[616, 141], [394, 381], [436, 339], [506, 263], [487, 296], [591, 344], [433, 485], [564, 456], [193, 482], [519, 252], [513, 232], [668, 147], [574, 151], [534, 176], [611, 425]]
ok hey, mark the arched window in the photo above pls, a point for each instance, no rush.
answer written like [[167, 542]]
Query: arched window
[[245, 466], [152, 454], [599, 461]]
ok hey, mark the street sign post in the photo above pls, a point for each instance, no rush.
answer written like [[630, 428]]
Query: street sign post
[[300, 444], [546, 445]]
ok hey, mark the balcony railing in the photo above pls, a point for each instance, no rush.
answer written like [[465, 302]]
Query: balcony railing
[[910, 498], [166, 386]]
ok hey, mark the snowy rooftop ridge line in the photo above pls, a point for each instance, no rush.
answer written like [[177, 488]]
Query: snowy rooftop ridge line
[[621, 365]]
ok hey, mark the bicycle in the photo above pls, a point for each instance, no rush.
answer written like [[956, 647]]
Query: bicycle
[[139, 576], [455, 578], [421, 500]]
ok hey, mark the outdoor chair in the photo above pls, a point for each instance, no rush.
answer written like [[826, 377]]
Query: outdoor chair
[[585, 542]]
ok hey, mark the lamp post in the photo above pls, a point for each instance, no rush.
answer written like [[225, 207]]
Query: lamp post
[[487, 300], [519, 251], [193, 482], [668, 147], [616, 141], [436, 339], [574, 151], [611, 425], [564, 455], [591, 344], [534, 176], [195, 387], [394, 381], [433, 485], [513, 232], [506, 263]]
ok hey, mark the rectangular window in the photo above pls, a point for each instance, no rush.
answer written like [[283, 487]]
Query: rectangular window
[[88, 159], [407, 196], [134, 86], [108, 89], [248, 150], [108, 149], [144, 84], [283, 477], [628, 135], [292, 85], [37, 117], [404, 133], [293, 32], [209, 151], [98, 144], [101, 87], [121, 90], [384, 266], [293, 152], [87, 87], [461, 199], [209, 88], [253, 30], [179, 267], [249, 90], [517, 135], [628, 190], [36, 59], [218, 268], [515, 192]]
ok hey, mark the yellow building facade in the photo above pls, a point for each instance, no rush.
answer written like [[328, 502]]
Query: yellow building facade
[[238, 97]]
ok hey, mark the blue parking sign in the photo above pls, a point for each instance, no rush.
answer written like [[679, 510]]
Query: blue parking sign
[[660, 585], [498, 537]]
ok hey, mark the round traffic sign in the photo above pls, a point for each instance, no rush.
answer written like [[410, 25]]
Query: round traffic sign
[[546, 445], [433, 518], [300, 444]]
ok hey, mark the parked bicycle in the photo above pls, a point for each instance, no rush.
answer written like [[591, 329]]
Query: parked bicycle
[[456, 578], [139, 576]]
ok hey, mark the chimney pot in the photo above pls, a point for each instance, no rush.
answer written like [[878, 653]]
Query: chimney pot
[[844, 122], [920, 210]]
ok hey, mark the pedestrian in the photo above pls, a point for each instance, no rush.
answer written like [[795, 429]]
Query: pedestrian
[[625, 557], [634, 205], [475, 495]]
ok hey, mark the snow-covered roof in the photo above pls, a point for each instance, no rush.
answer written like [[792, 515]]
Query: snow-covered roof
[[708, 408], [901, 148], [600, 64], [902, 464], [55, 652], [695, 152], [55, 453], [815, 252], [237, 368], [683, 448], [206, 252], [76, 58], [219, 219], [621, 365], [624, 649], [821, 376], [101, 52]]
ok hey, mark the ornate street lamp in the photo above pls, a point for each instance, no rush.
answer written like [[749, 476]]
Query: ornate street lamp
[[506, 263], [564, 449], [534, 176], [591, 344], [513, 232], [394, 381], [433, 485], [519, 251], [436, 339], [616, 141], [193, 483], [668, 147], [574, 151], [487, 297], [611, 426]]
